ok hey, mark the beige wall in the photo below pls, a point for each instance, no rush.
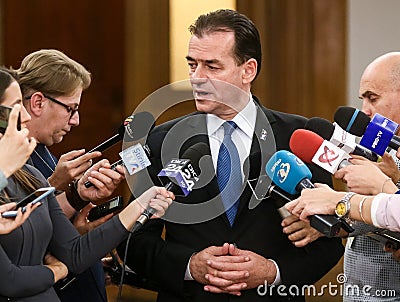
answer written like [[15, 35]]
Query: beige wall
[[373, 29]]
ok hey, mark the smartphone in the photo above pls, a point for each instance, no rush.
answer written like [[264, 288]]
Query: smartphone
[[386, 237], [32, 198], [111, 206], [88, 184], [4, 116]]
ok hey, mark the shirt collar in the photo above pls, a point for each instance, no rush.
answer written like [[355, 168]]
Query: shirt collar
[[245, 119]]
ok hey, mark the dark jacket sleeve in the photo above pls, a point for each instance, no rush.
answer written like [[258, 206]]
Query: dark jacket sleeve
[[20, 281], [80, 252]]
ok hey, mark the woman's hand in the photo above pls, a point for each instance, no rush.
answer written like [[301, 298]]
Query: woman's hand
[[15, 145], [59, 269], [7, 225]]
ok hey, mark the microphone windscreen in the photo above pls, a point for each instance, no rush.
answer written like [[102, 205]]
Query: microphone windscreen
[[195, 153], [351, 120], [305, 143], [321, 126], [286, 170], [136, 126]]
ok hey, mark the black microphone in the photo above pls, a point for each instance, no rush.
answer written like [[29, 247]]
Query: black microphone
[[179, 176], [151, 140], [339, 137], [356, 122], [280, 198], [133, 128]]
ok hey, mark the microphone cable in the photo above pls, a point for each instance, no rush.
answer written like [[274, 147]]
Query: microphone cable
[[133, 229]]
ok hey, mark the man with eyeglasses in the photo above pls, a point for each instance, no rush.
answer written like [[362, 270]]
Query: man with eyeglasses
[[52, 86]]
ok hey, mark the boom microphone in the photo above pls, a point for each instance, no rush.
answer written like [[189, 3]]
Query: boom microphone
[[291, 175], [133, 128], [378, 133], [179, 176], [340, 138]]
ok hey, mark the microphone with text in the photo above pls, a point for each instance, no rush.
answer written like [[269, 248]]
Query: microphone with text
[[136, 157], [179, 176], [318, 151], [377, 133], [291, 175], [133, 128], [340, 138]]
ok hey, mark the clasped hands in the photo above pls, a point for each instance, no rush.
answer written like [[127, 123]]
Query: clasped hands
[[228, 269]]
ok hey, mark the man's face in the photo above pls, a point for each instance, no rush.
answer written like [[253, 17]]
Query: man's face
[[55, 121], [218, 82], [379, 94]]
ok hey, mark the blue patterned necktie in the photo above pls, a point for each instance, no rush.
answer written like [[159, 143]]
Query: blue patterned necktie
[[229, 175]]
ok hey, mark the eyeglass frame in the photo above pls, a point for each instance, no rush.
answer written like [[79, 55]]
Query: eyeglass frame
[[70, 110]]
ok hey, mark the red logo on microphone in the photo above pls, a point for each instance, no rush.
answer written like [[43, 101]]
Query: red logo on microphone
[[328, 156]]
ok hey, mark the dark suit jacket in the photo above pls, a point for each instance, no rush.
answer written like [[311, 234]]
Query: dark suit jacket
[[258, 229]]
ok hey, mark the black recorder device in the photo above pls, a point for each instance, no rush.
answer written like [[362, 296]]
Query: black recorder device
[[113, 205]]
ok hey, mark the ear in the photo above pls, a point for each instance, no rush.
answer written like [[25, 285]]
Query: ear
[[34, 105], [249, 71]]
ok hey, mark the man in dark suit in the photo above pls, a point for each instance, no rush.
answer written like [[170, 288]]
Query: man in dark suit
[[210, 254]]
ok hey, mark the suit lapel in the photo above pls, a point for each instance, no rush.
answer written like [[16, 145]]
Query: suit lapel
[[195, 129], [262, 148]]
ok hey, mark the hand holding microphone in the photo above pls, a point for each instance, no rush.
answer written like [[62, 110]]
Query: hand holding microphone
[[289, 173], [179, 177], [320, 200]]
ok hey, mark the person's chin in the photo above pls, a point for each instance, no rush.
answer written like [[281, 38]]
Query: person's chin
[[204, 105], [58, 139]]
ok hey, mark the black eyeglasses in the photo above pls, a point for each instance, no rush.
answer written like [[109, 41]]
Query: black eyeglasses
[[71, 110]]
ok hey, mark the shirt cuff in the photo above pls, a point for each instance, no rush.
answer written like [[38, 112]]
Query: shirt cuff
[[374, 209], [188, 275], [278, 279]]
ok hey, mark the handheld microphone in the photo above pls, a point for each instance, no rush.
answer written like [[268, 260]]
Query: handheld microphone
[[318, 151], [179, 176], [340, 138], [378, 133], [133, 128], [280, 199], [136, 157], [291, 175]]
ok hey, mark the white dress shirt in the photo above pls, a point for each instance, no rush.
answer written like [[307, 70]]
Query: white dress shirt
[[242, 136]]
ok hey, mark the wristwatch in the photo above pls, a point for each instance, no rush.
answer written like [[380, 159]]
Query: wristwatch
[[343, 206]]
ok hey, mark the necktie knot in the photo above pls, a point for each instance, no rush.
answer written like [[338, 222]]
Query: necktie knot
[[229, 127]]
